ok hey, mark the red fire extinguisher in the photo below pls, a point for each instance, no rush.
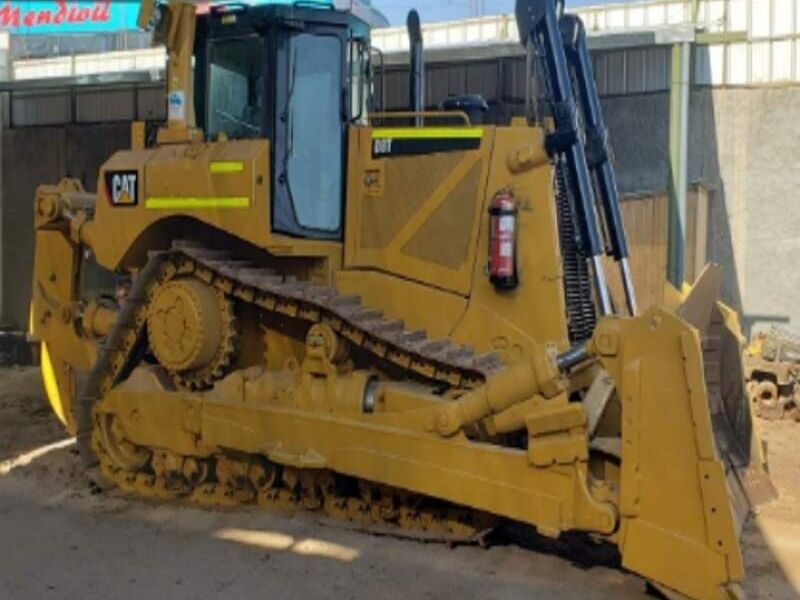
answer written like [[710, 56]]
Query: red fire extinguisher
[[503, 241]]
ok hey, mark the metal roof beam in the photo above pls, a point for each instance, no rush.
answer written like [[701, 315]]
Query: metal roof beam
[[621, 40]]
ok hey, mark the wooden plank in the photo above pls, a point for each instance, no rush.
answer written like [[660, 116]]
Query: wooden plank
[[645, 220]]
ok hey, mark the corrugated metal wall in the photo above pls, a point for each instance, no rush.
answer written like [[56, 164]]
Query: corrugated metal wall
[[32, 157], [498, 80], [502, 81], [88, 104]]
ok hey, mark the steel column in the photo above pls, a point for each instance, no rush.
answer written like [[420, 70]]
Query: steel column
[[678, 150]]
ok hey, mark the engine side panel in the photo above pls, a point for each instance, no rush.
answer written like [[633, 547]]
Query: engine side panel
[[225, 185], [418, 211], [414, 202]]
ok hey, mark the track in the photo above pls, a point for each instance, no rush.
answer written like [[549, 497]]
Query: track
[[230, 479]]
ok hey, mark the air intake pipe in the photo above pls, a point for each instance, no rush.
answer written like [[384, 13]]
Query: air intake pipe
[[417, 72]]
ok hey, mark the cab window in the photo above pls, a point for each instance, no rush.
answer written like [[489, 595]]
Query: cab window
[[236, 104]]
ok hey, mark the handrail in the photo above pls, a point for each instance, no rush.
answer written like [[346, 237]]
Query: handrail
[[430, 114]]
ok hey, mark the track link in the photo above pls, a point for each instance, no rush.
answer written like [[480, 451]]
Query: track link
[[438, 361]]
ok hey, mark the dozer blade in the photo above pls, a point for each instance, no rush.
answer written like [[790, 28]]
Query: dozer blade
[[691, 466], [737, 441]]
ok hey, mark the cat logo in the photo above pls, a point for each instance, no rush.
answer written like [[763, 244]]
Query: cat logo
[[122, 187]]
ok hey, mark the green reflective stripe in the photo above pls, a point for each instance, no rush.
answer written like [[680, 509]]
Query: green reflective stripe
[[227, 167], [193, 203], [427, 133]]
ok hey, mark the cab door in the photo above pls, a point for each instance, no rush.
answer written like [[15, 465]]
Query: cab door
[[310, 134]]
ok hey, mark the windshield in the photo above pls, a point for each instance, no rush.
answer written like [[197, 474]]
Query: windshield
[[236, 82]]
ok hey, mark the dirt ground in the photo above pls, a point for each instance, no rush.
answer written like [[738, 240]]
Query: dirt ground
[[58, 540]]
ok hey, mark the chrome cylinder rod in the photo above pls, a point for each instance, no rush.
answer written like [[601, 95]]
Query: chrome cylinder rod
[[601, 287], [572, 358], [630, 290]]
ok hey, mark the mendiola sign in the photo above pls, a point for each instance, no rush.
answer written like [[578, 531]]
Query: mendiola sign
[[42, 17]]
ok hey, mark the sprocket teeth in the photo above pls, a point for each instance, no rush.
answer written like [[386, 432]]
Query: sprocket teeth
[[205, 378]]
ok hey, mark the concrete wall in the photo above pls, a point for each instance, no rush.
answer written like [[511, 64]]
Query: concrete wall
[[744, 144], [31, 157]]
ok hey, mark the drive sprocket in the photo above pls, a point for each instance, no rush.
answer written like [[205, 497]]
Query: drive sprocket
[[192, 332]]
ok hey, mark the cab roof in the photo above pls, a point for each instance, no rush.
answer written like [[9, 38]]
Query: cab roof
[[362, 10]]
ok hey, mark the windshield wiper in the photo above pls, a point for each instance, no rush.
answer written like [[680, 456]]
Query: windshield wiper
[[289, 119], [240, 122]]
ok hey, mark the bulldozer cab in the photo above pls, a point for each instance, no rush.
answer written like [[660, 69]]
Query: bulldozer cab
[[297, 77]]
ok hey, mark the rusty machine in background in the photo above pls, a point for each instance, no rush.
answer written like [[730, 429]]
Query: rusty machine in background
[[292, 299], [772, 363]]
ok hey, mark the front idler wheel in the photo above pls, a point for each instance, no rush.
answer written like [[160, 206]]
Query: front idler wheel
[[123, 454]]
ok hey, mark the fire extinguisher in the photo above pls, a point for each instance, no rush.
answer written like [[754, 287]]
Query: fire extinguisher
[[503, 241]]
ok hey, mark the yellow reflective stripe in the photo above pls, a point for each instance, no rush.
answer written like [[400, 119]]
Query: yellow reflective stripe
[[192, 203], [227, 167], [427, 133]]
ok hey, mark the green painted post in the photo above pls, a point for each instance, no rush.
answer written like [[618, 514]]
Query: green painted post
[[678, 150]]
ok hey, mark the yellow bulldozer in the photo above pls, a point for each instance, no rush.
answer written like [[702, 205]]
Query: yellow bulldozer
[[290, 298], [772, 369]]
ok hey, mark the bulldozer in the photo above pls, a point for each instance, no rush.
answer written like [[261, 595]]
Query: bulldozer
[[290, 298], [772, 370]]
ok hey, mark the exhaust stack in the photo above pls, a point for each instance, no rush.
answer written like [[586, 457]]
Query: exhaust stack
[[417, 73]]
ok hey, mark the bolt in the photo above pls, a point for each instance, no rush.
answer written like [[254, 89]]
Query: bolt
[[443, 422]]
